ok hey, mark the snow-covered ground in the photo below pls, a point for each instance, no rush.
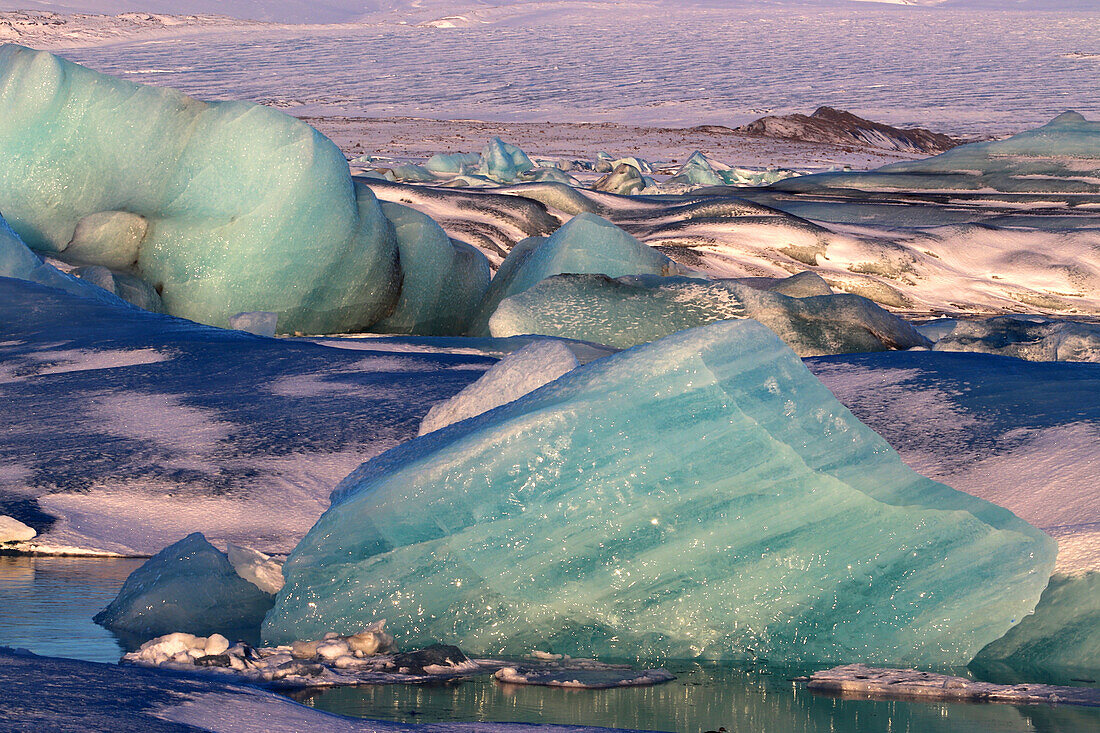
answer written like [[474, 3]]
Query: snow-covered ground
[[135, 429], [660, 63]]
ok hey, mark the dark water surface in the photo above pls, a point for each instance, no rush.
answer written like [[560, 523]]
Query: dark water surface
[[46, 605]]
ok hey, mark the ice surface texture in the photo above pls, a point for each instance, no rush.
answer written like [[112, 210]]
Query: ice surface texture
[[223, 207], [1031, 338], [586, 243], [509, 379], [701, 496], [1063, 635], [443, 280], [188, 587], [632, 310]]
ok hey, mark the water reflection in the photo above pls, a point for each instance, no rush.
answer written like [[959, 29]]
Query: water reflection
[[47, 604], [703, 697]]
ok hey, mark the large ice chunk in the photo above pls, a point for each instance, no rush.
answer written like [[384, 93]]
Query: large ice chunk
[[187, 587], [443, 280], [1027, 337], [586, 243], [1062, 636], [222, 207], [509, 379], [627, 311], [701, 496]]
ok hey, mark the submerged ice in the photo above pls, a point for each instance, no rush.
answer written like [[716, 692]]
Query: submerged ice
[[701, 496]]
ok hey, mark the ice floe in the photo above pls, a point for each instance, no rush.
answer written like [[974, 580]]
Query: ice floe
[[861, 680]]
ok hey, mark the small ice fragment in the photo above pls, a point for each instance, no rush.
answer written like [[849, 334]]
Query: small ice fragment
[[256, 567], [260, 323], [12, 530]]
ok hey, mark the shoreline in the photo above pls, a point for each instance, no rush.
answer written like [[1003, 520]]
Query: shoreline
[[417, 137]]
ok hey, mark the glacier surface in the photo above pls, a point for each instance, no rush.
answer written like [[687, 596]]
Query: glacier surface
[[181, 427], [700, 496], [627, 311]]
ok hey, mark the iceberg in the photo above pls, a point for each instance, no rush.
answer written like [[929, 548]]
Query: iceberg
[[12, 530], [1033, 338], [454, 164], [256, 567], [188, 587], [221, 207], [625, 179], [627, 311], [586, 243], [522, 371], [444, 279], [702, 496], [18, 261], [258, 323], [698, 170], [1062, 637], [503, 162]]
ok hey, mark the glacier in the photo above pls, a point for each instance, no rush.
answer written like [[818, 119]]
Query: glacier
[[627, 311], [566, 519], [188, 587], [222, 207]]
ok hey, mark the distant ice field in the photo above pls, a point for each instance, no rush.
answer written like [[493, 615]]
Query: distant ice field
[[957, 71]]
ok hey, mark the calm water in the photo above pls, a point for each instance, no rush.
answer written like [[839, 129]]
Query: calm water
[[46, 605]]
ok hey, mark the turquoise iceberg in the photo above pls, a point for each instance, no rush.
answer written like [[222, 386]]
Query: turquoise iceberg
[[633, 310], [444, 280], [586, 243], [701, 496], [222, 207], [1062, 637]]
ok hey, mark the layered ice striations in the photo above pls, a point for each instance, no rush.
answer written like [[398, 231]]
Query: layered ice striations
[[187, 587], [222, 207], [1062, 637], [627, 311], [701, 496]]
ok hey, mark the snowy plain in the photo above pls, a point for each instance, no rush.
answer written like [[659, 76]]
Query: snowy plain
[[976, 71]]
